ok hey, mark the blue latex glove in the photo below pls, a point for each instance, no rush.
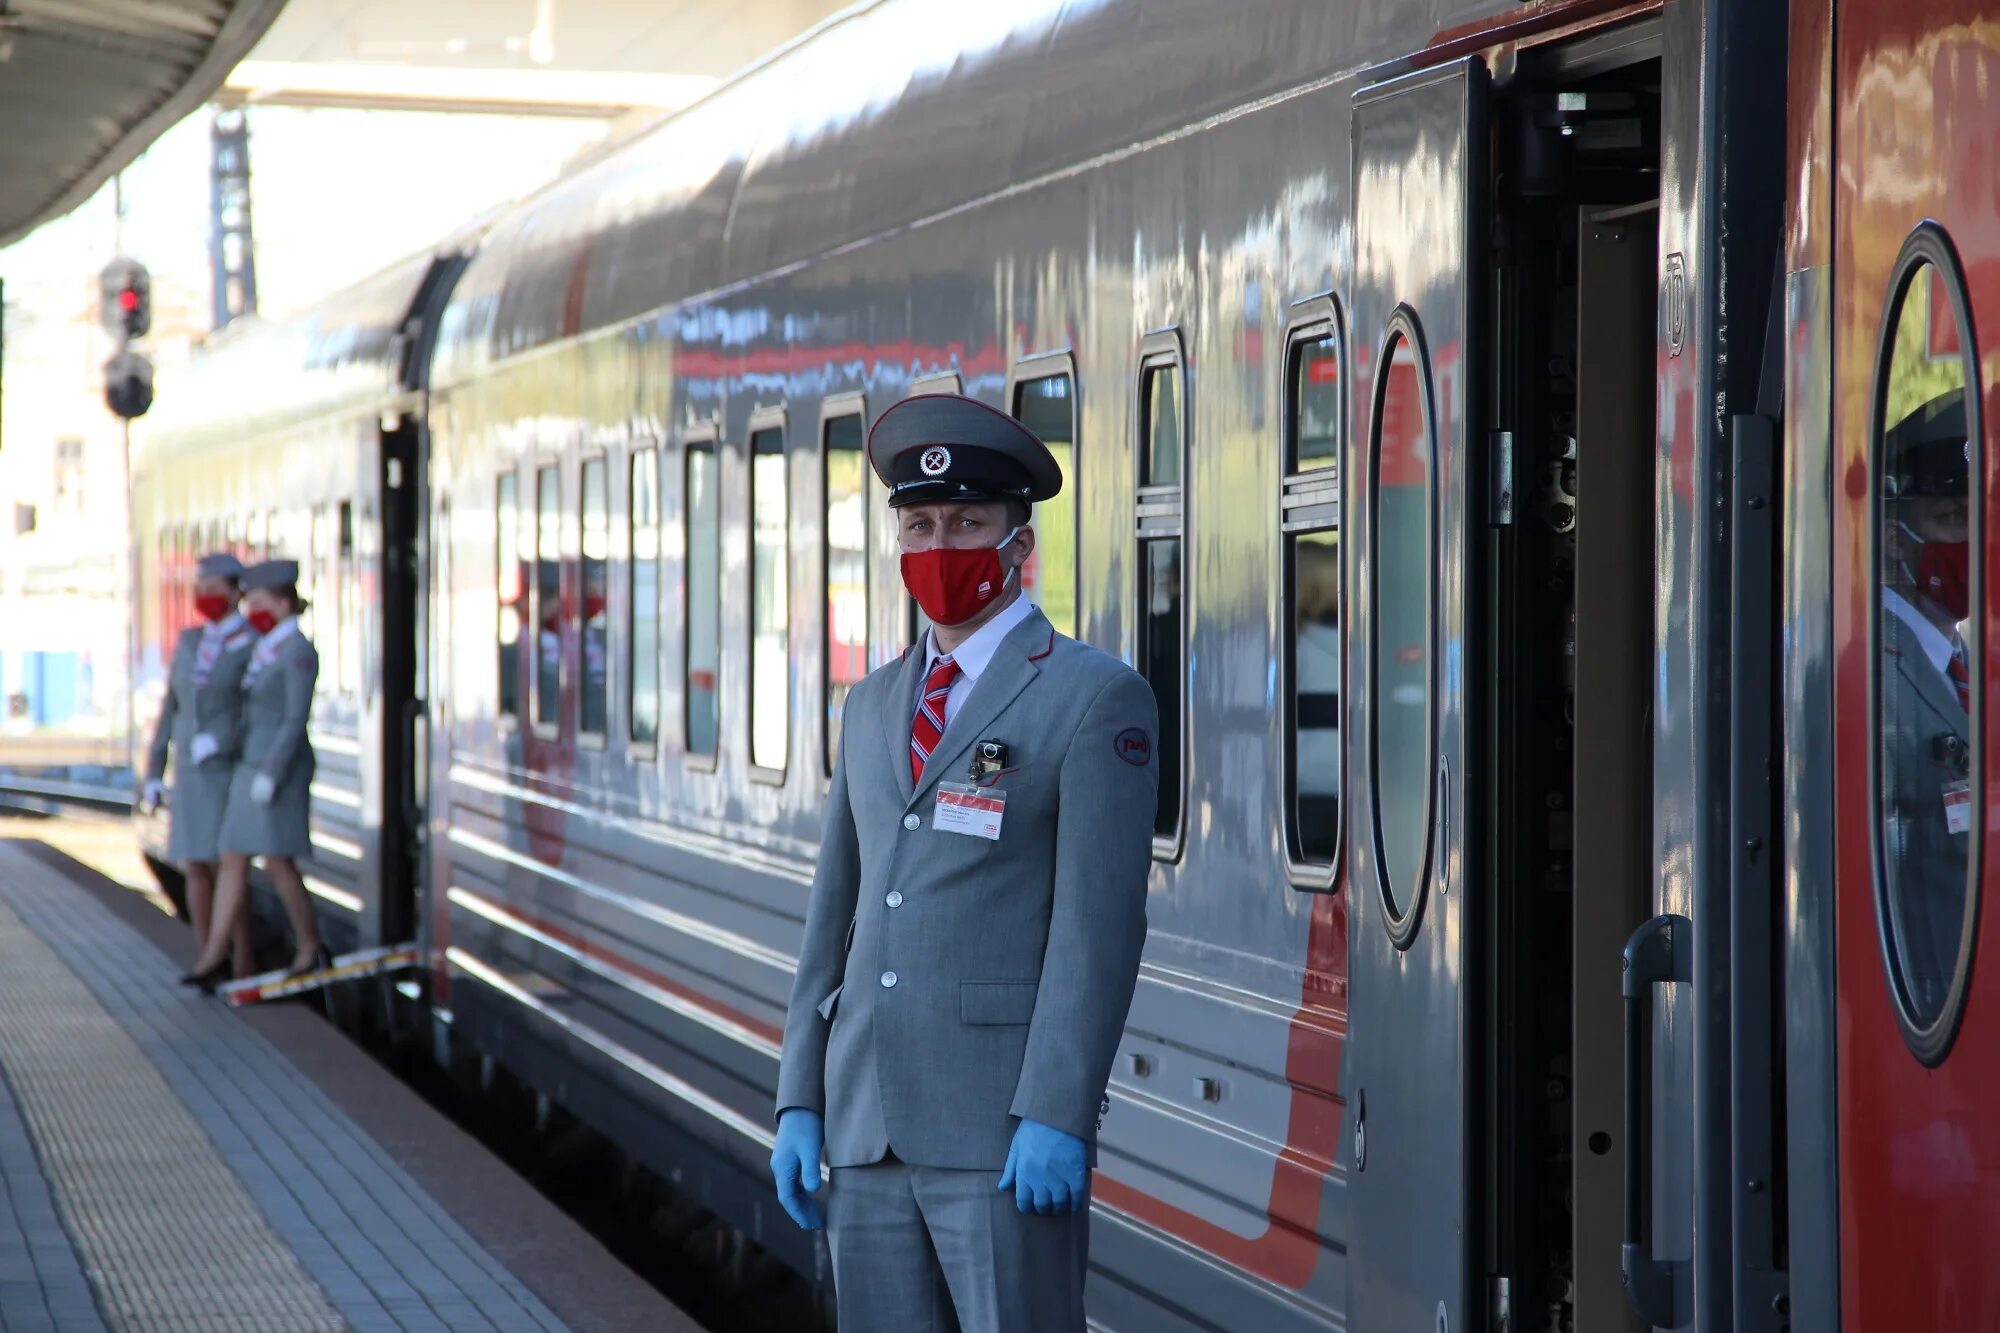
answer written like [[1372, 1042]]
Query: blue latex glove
[[795, 1165], [1047, 1170]]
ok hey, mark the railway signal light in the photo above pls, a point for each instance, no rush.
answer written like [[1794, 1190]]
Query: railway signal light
[[128, 384], [127, 305]]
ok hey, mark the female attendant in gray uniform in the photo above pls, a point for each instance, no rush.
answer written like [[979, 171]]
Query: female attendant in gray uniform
[[201, 724], [268, 793]]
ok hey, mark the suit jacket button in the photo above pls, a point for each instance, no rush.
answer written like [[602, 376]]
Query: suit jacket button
[[895, 898], [912, 823], [888, 978]]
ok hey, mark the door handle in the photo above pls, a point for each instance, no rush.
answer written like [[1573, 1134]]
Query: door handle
[[414, 715], [1657, 954]]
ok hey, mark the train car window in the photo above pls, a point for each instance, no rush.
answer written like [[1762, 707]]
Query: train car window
[[509, 592], [593, 614], [1162, 640], [1046, 405], [1402, 528], [1315, 641], [643, 644], [1928, 776], [702, 561], [348, 669], [843, 442], [770, 600], [548, 599]]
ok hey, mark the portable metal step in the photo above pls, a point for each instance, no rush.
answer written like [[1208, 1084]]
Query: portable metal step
[[280, 985]]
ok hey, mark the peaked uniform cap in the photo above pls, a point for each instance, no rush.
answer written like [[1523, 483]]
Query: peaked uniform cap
[[218, 565], [271, 574], [947, 447]]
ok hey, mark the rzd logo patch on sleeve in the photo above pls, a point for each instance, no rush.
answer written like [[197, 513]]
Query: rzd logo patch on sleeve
[[1134, 746]]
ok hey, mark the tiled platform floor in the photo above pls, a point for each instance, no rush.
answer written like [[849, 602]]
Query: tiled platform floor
[[168, 1164]]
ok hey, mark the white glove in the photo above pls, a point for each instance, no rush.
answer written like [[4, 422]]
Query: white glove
[[156, 792], [203, 747], [262, 788]]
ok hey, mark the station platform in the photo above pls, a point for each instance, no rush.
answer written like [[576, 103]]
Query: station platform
[[167, 1163]]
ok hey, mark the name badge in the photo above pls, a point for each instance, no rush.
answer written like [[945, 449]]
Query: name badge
[[1958, 808], [973, 811]]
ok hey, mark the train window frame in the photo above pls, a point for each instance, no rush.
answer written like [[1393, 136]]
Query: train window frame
[[637, 747], [1309, 502], [1162, 512], [1927, 246], [508, 722], [547, 731], [586, 739], [1403, 324], [704, 438], [767, 421], [1060, 364], [943, 381], [833, 408]]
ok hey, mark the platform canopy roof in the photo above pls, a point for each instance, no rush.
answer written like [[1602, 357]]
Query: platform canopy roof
[[87, 85]]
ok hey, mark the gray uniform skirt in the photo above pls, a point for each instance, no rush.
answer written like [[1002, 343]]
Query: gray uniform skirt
[[277, 829], [195, 807]]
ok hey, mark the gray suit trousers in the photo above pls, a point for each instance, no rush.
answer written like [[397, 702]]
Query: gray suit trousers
[[930, 1249]]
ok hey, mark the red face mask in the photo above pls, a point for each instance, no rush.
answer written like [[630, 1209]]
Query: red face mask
[[261, 620], [213, 606], [1944, 570], [954, 583]]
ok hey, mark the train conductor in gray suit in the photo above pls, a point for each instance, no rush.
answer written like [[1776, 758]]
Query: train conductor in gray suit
[[201, 724], [976, 921]]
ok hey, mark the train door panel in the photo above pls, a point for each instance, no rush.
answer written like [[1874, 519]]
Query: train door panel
[[400, 703], [1418, 147], [1917, 232]]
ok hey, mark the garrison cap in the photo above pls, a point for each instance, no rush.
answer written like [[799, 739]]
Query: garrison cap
[[1929, 453], [218, 565], [944, 447], [271, 574]]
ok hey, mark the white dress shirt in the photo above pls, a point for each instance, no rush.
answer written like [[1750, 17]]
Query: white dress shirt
[[973, 655]]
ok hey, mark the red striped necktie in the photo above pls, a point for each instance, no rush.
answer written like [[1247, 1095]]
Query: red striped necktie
[[927, 727], [1961, 679]]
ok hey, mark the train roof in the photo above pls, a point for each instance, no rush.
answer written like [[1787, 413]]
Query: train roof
[[341, 357], [887, 114]]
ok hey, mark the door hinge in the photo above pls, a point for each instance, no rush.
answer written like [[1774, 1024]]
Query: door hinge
[[1501, 1319], [1500, 478]]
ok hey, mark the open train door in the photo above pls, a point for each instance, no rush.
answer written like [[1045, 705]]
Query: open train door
[[1419, 192]]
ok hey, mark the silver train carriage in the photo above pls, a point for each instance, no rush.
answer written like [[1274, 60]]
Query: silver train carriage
[[1325, 310]]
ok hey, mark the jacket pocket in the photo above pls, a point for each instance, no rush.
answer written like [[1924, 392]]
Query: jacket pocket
[[831, 1003], [996, 1003]]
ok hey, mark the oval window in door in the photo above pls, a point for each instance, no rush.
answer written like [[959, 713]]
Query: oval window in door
[[1925, 765], [1403, 599]]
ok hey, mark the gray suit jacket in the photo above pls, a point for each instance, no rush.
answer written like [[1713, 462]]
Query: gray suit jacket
[[949, 984], [214, 706], [277, 704], [1923, 727]]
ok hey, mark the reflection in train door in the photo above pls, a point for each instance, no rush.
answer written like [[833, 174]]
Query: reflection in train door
[[1418, 159], [1917, 290]]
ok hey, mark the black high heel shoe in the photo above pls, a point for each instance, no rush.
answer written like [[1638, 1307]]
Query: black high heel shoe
[[208, 979], [322, 959]]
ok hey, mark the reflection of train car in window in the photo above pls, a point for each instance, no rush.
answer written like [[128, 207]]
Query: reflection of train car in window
[[1428, 447]]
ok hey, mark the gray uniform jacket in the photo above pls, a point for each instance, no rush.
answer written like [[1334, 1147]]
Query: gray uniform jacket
[[1925, 755], [214, 706], [277, 701], [949, 984]]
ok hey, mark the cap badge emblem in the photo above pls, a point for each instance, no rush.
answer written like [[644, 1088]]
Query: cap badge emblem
[[935, 461]]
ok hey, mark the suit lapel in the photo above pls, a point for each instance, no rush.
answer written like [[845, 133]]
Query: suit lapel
[[1016, 663], [897, 711]]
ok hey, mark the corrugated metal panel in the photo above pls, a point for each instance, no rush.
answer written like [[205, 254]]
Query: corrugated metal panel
[[87, 85]]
